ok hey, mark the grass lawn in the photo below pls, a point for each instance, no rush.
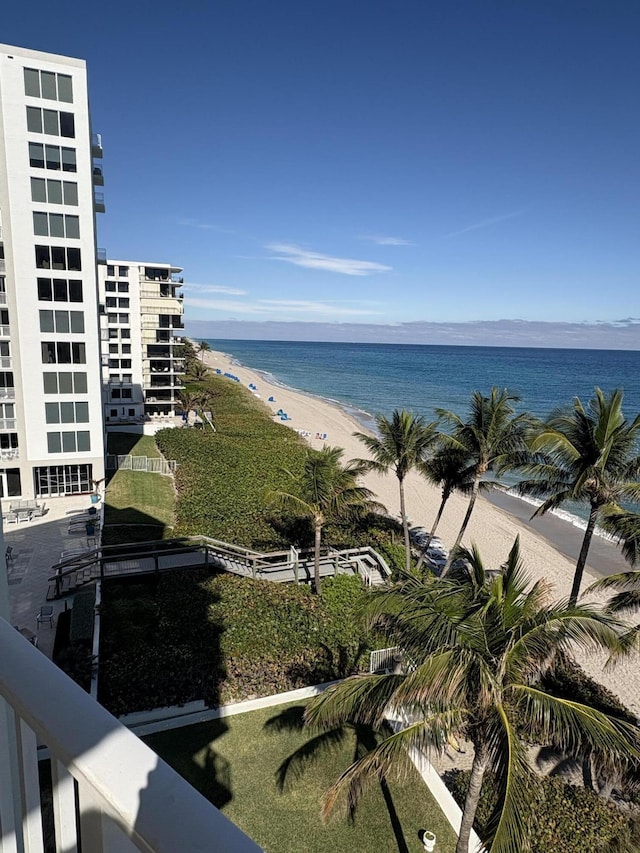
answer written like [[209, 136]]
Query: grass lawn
[[141, 501], [130, 443], [233, 762]]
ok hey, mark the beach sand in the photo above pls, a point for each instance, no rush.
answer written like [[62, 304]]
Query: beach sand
[[548, 545]]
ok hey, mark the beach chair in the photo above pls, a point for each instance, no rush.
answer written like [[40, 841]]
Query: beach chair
[[45, 615]]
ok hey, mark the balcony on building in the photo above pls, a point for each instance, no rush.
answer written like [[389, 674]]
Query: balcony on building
[[110, 791], [96, 145], [101, 256], [98, 201], [98, 175], [7, 392]]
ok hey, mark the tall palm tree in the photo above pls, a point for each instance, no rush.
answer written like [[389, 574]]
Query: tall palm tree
[[493, 437], [203, 347], [452, 470], [325, 489], [400, 445], [478, 647], [588, 455], [188, 400]]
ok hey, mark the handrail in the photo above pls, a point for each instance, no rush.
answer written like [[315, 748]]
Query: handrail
[[118, 776]]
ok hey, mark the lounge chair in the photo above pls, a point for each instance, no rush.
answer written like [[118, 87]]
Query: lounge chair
[[45, 615]]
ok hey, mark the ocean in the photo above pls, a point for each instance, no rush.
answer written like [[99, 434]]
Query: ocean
[[370, 379]]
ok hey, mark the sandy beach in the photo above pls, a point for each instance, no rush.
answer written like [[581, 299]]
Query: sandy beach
[[547, 544]]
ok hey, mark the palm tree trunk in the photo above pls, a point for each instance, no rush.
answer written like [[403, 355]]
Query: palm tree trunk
[[445, 497], [472, 501], [316, 557], [472, 799], [405, 528], [582, 559]]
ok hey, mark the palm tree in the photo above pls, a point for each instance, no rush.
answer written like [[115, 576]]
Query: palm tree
[[588, 455], [188, 400], [493, 437], [450, 469], [203, 347], [326, 489], [400, 445], [478, 648]]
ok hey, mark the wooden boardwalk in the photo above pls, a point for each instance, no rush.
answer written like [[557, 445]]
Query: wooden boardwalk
[[278, 567]]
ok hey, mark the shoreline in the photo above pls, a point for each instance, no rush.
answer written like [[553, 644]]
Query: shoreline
[[548, 544]]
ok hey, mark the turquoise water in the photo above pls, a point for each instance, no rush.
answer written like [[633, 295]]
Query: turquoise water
[[377, 378]]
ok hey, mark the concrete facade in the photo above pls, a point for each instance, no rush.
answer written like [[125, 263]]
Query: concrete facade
[[51, 424]]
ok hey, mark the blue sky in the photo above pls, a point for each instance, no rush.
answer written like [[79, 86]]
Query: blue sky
[[369, 162]]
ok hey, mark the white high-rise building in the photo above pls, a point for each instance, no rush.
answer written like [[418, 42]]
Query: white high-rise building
[[141, 325], [51, 415]]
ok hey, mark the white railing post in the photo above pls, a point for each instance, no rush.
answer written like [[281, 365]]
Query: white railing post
[[31, 820], [64, 808], [9, 789]]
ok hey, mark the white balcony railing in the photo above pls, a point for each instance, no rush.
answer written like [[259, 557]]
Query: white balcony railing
[[3, 298], [127, 798], [5, 331], [9, 453], [7, 423]]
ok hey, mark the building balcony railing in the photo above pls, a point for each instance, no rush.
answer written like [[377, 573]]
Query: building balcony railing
[[101, 256], [7, 393], [5, 331], [110, 791], [98, 175], [98, 202], [96, 145], [7, 423], [3, 265], [3, 298], [9, 453]]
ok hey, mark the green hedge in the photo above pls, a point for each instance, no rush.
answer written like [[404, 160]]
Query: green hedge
[[222, 477], [189, 635], [563, 817], [82, 613]]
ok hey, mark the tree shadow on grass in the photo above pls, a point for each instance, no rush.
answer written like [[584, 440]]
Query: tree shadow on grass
[[292, 720]]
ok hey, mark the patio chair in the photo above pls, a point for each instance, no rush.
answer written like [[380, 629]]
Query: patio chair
[[45, 615]]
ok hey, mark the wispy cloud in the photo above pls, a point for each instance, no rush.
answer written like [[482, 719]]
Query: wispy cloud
[[316, 261], [281, 307], [385, 241], [485, 223], [206, 226], [216, 288]]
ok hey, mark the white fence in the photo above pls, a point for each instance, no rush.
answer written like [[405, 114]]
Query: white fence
[[152, 465]]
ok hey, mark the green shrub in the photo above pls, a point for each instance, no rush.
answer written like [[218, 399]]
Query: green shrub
[[82, 612], [565, 817], [191, 635]]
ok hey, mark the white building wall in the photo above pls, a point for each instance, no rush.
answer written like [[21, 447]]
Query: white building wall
[[24, 304]]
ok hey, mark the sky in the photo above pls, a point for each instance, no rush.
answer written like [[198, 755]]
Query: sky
[[370, 164]]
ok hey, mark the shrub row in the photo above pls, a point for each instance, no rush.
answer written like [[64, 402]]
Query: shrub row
[[190, 635], [81, 630], [565, 817]]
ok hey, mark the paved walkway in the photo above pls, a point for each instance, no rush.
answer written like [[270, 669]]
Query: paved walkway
[[36, 547]]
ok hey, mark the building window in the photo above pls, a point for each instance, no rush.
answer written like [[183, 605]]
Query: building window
[[63, 352], [51, 122], [47, 84], [123, 271], [123, 287], [59, 290], [123, 318], [65, 383], [126, 348], [113, 348], [67, 413], [52, 157], [62, 322], [111, 270], [111, 302], [56, 225], [54, 192], [58, 258], [69, 442], [54, 480], [110, 286]]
